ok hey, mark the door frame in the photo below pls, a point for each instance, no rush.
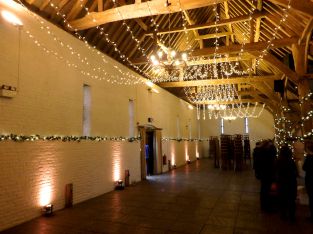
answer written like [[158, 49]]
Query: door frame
[[157, 149]]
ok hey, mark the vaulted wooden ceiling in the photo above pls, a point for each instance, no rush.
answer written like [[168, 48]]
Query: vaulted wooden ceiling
[[131, 30]]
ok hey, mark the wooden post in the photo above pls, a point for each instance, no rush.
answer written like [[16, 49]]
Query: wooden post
[[298, 52]]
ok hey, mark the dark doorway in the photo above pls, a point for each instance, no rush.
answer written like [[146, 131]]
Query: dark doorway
[[149, 151]]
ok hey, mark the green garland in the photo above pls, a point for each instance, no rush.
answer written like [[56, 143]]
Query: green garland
[[23, 138]]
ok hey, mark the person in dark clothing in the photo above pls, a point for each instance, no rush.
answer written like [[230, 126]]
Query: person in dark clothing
[[286, 178], [264, 158], [308, 168]]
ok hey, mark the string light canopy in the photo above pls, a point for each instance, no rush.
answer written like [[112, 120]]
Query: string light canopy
[[229, 111]]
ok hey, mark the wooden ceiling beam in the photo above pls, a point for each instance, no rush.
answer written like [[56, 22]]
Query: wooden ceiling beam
[[44, 4], [214, 35], [138, 10], [195, 32], [257, 46], [303, 6], [233, 80], [256, 34], [100, 5], [76, 9], [249, 47], [212, 24], [230, 29], [293, 76]]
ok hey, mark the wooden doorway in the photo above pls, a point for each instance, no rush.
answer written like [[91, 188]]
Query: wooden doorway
[[151, 150]]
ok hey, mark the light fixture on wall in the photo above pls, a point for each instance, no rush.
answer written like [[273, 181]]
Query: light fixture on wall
[[119, 185], [11, 18], [153, 90], [47, 210]]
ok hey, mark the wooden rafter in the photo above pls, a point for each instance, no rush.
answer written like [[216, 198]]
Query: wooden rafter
[[76, 9], [250, 47], [212, 24], [257, 46], [138, 10], [230, 29], [303, 6], [284, 69], [214, 35], [195, 32], [100, 5]]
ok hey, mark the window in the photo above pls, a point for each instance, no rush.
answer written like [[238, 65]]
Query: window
[[131, 118], [178, 126], [86, 110], [222, 126], [189, 128], [246, 124]]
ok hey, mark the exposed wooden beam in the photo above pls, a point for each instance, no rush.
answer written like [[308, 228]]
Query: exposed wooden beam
[[257, 46], [258, 22], [249, 47], [230, 29], [303, 6], [100, 5], [234, 80], [44, 4], [212, 24], [142, 24], [76, 9], [280, 66], [266, 91], [213, 35], [195, 32], [93, 6], [306, 33], [138, 10]]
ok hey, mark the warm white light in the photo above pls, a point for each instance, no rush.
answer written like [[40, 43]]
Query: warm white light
[[229, 118], [173, 53], [155, 90], [177, 62], [149, 83], [184, 56], [11, 18], [45, 195], [190, 107], [116, 153], [153, 58], [160, 54], [155, 62]]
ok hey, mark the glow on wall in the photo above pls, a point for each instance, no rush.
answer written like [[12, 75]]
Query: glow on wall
[[45, 194], [197, 150], [116, 160], [172, 146], [186, 150]]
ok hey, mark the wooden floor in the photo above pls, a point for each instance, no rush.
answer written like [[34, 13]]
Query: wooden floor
[[195, 198]]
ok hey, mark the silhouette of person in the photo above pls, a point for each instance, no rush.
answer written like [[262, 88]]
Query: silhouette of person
[[308, 168], [286, 178], [264, 165], [147, 151]]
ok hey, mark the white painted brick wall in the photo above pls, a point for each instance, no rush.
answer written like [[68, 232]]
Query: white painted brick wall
[[27, 167]]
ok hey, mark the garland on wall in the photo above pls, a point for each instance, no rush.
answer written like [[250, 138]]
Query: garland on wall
[[23, 138]]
